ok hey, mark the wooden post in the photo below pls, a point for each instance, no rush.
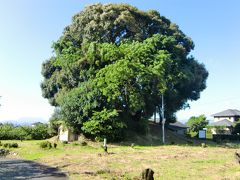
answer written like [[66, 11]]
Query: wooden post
[[147, 174], [105, 144], [237, 157]]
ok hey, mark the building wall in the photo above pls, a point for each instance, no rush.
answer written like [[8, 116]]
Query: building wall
[[63, 134], [181, 131], [72, 136], [221, 131], [232, 119], [66, 134]]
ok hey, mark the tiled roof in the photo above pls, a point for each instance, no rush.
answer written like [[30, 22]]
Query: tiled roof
[[223, 122], [177, 126], [229, 112]]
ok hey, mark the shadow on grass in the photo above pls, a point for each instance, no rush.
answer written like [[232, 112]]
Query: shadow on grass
[[154, 138], [11, 169]]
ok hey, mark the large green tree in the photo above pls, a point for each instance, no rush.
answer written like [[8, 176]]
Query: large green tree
[[113, 63], [197, 123]]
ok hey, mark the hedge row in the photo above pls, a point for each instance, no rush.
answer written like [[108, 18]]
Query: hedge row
[[11, 132], [221, 137]]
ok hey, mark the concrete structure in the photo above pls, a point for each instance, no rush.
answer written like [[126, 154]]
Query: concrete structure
[[230, 115], [66, 134]]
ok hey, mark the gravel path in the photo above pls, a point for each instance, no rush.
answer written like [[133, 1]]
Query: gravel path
[[12, 169]]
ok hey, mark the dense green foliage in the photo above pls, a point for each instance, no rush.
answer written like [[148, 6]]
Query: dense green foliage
[[236, 127], [111, 66], [45, 145], [9, 145], [9, 132], [104, 124], [55, 121], [197, 123]]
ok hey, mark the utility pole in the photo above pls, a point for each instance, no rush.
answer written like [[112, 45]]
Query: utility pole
[[163, 121]]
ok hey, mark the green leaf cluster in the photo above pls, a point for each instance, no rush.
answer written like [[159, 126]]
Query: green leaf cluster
[[197, 123]]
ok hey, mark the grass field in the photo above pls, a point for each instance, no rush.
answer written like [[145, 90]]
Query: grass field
[[125, 162]]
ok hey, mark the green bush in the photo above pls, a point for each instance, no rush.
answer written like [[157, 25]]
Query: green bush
[[104, 124], [45, 145], [14, 145], [75, 144], [10, 145], [83, 143], [6, 145], [49, 146], [10, 132], [65, 142], [225, 137], [40, 131], [197, 123], [236, 128], [4, 152]]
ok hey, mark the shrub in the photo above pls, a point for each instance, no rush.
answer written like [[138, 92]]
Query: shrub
[[6, 145], [0, 143], [75, 144], [10, 145], [13, 145], [49, 145], [236, 128], [45, 145], [197, 123], [4, 152], [10, 132], [65, 142], [83, 143], [223, 137], [40, 131], [203, 145], [104, 124]]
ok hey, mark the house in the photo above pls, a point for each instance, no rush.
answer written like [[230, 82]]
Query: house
[[229, 114], [66, 134], [224, 120], [178, 127], [224, 126]]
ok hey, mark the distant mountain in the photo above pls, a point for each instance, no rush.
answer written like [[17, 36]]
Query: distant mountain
[[25, 121]]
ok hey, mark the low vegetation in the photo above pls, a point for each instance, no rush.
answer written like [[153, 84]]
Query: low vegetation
[[181, 158], [196, 161], [36, 132]]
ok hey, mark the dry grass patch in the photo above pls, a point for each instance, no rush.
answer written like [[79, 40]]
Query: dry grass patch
[[125, 162], [168, 162]]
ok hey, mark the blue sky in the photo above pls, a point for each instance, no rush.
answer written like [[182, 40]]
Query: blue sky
[[28, 28]]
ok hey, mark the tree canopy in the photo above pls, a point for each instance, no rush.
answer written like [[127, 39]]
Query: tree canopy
[[197, 123], [113, 63]]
